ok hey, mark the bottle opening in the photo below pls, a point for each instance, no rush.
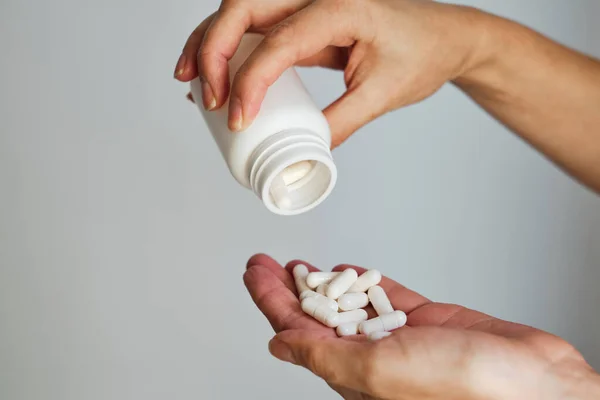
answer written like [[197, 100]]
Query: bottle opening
[[292, 172], [300, 185]]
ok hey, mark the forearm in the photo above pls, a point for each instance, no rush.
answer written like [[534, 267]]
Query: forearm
[[578, 384], [588, 389], [546, 93]]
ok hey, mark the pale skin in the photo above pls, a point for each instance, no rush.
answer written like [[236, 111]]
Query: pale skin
[[445, 352], [395, 53]]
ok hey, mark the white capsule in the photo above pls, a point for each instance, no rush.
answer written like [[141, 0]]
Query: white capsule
[[322, 289], [366, 281], [300, 273], [353, 301], [322, 299], [380, 301], [320, 312], [327, 301], [386, 323], [295, 172], [307, 293], [378, 335], [314, 279], [341, 283], [346, 317], [349, 329]]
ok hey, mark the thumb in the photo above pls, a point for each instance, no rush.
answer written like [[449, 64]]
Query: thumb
[[336, 360], [354, 109]]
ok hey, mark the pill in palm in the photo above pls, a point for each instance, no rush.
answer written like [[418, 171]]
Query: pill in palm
[[346, 317], [318, 292], [300, 273], [341, 283], [327, 301], [322, 289], [322, 299], [348, 329], [352, 301], [314, 279], [307, 293], [367, 280], [380, 301], [387, 323], [377, 335], [320, 311]]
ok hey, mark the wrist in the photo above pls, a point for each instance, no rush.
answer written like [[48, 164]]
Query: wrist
[[534, 378], [576, 382], [492, 40], [476, 35]]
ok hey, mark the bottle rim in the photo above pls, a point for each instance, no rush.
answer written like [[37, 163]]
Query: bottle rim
[[278, 153]]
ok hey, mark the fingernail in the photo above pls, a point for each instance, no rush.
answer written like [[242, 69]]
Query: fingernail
[[236, 118], [208, 97], [180, 67], [281, 351]]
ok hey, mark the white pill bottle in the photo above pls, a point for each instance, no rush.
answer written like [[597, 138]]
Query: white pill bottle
[[284, 156]]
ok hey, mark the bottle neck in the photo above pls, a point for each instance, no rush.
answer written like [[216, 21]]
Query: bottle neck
[[292, 171]]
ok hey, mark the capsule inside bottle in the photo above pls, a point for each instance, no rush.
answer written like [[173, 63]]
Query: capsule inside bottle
[[300, 184]]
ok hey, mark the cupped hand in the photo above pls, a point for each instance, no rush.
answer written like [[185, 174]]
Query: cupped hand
[[445, 352], [393, 53]]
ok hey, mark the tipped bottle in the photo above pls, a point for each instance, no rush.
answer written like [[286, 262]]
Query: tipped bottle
[[284, 156]]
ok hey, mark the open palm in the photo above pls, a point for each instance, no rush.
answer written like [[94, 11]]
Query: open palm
[[445, 351]]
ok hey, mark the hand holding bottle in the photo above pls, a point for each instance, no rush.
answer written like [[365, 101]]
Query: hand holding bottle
[[393, 53], [396, 53]]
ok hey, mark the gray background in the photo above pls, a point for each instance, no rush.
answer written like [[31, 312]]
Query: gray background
[[123, 237]]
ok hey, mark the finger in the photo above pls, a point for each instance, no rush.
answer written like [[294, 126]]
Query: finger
[[290, 266], [400, 296], [331, 57], [337, 361], [277, 302], [354, 109], [186, 68], [263, 259], [274, 267], [299, 37], [220, 43]]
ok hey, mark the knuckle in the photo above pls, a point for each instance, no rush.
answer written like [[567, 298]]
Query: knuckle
[[204, 61], [340, 5], [226, 4], [282, 34], [242, 81], [207, 48]]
